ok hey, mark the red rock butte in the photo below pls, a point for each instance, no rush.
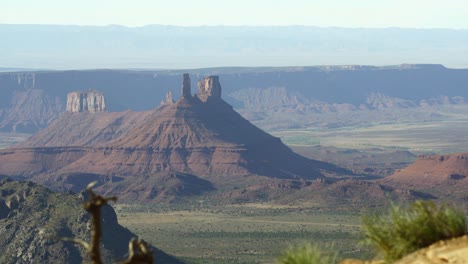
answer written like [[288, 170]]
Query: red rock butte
[[433, 170], [198, 134]]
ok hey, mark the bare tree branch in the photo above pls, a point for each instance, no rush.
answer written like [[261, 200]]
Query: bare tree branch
[[138, 252], [93, 206]]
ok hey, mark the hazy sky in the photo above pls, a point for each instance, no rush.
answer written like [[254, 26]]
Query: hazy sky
[[341, 13]]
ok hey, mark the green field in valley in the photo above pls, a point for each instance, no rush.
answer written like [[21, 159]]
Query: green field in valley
[[424, 137], [252, 233]]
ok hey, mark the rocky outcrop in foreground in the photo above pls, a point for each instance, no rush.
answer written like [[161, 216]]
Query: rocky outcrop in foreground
[[33, 219], [453, 251]]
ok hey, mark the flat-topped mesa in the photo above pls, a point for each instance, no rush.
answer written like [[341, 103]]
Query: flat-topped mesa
[[91, 101], [209, 89], [186, 88]]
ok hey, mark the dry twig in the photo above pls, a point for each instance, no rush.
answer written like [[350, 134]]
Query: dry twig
[[93, 206], [138, 252]]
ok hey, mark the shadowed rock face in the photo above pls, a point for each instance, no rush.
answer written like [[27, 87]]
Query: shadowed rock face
[[186, 88]]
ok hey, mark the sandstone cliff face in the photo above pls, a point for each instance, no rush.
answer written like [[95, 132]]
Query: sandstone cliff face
[[209, 89], [91, 101]]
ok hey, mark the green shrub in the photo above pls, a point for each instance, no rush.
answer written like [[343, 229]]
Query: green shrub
[[306, 254], [406, 229]]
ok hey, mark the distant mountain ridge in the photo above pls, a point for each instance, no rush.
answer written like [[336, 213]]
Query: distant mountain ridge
[[258, 93], [161, 46]]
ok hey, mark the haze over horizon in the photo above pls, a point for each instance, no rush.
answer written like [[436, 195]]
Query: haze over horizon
[[54, 34], [173, 47]]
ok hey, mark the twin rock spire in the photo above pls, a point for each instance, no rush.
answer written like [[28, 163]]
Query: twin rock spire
[[208, 88]]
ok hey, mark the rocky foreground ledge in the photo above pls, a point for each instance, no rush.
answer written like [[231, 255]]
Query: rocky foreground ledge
[[453, 251]]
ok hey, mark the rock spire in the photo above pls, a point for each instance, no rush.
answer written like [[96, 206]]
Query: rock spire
[[209, 89], [169, 99], [186, 89]]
